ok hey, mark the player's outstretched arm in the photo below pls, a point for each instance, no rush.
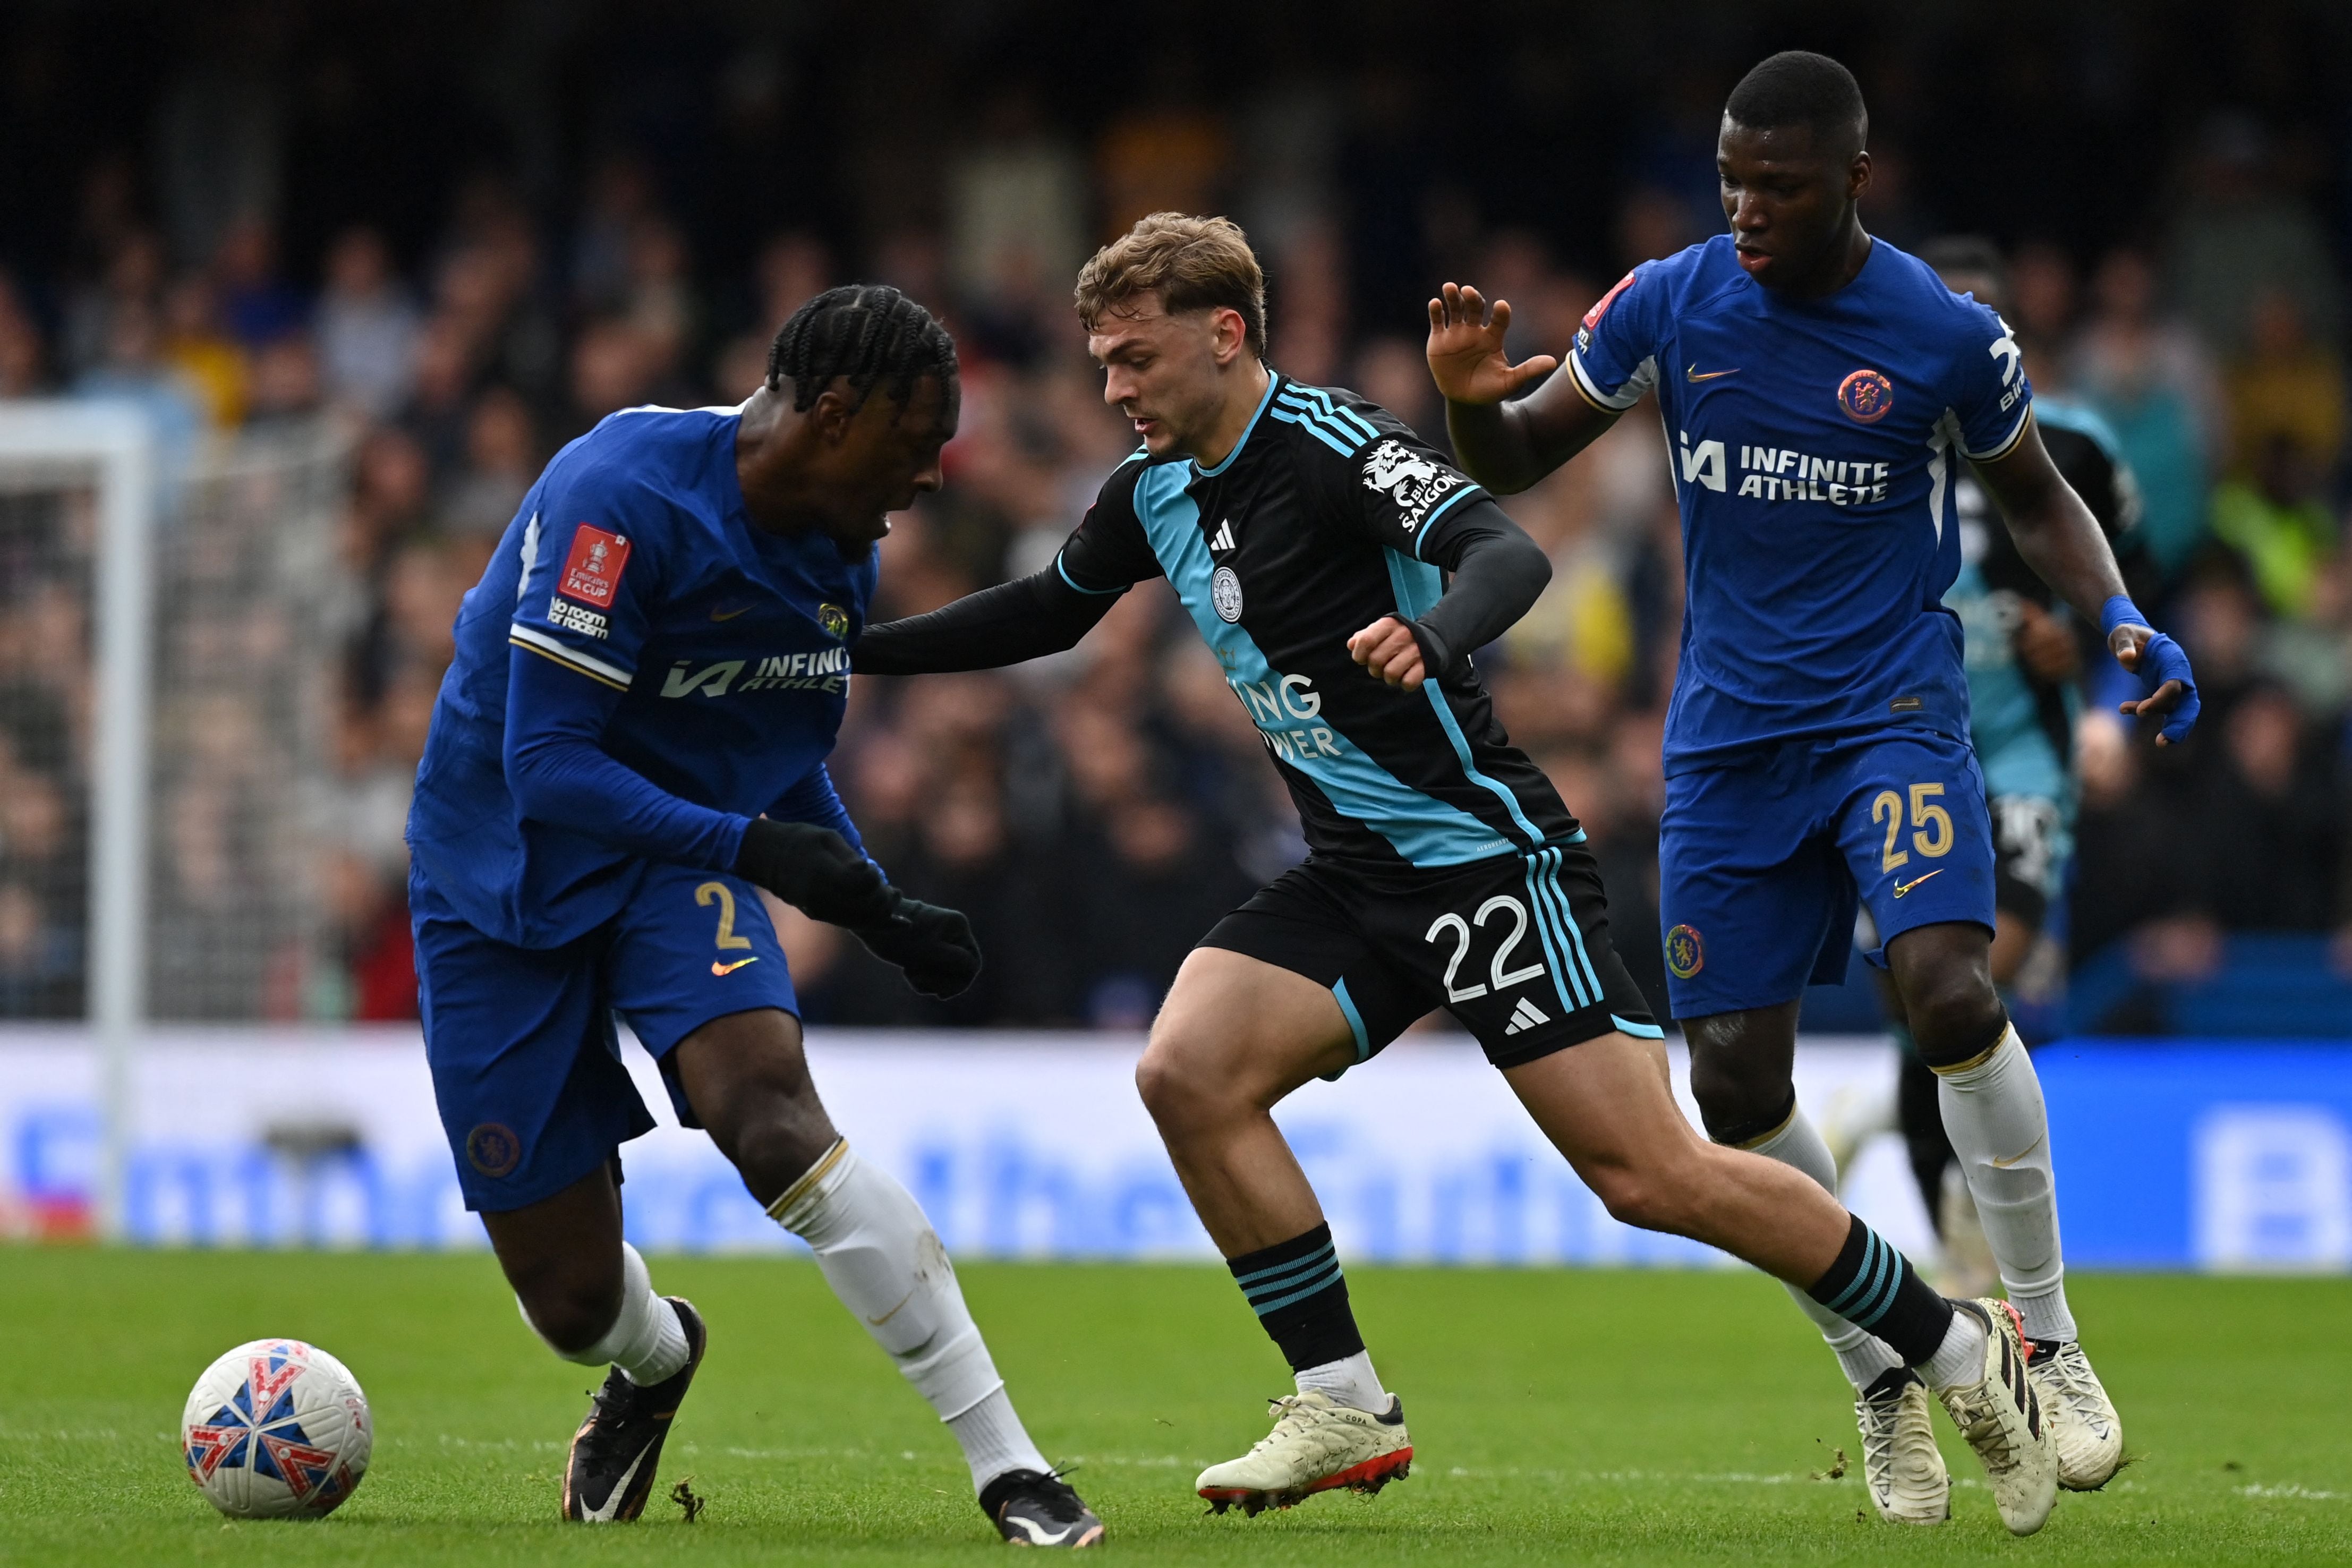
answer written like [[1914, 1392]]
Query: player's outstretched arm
[[1497, 574], [1506, 445], [2067, 549], [1023, 620]]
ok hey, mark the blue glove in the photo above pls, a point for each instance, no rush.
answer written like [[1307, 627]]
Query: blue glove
[[2160, 659]]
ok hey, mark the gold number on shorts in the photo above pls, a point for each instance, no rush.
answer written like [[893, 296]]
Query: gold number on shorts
[[1887, 808], [723, 895], [1923, 815]]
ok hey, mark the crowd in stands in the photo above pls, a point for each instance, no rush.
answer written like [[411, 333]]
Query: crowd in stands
[[1094, 813]]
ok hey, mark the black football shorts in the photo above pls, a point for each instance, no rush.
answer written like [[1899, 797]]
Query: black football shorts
[[1517, 948]]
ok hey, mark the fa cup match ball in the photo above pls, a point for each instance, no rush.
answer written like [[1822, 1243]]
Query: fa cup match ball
[[276, 1430]]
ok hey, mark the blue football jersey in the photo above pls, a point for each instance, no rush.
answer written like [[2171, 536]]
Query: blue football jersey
[[632, 604], [1814, 445]]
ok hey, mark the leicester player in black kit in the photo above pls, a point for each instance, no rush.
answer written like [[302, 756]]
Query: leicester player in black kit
[[1307, 533]]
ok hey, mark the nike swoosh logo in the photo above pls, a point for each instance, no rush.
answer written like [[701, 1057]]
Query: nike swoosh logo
[[1903, 888], [729, 615], [605, 1515], [2013, 1159], [723, 970], [1695, 373], [894, 1312], [1038, 1537]]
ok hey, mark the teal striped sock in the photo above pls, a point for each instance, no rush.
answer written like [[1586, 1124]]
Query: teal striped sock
[[1872, 1286], [1299, 1292]]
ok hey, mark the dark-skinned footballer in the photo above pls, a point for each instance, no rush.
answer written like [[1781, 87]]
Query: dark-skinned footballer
[[1819, 390]]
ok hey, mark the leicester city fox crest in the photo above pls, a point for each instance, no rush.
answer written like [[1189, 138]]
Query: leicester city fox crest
[[1415, 483]]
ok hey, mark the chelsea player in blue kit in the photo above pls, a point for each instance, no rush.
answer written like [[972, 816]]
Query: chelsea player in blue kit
[[1820, 390], [630, 745]]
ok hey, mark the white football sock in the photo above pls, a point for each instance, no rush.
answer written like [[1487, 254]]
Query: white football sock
[[1999, 1128], [1862, 1355], [1959, 1359], [885, 1262], [994, 1440], [646, 1341], [1350, 1381]]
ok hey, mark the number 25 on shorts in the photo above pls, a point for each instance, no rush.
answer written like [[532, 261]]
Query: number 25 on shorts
[[1934, 825]]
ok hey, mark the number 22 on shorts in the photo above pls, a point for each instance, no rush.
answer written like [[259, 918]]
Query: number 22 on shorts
[[1495, 971]]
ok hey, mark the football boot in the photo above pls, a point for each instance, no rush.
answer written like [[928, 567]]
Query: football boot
[[614, 1456], [2001, 1417], [1317, 1445], [1901, 1466], [1038, 1508], [2090, 1433]]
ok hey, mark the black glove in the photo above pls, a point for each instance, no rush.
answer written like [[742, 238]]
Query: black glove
[[934, 947], [814, 871]]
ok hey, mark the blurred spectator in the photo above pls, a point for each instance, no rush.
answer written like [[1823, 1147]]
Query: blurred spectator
[[502, 461], [613, 366], [255, 305], [131, 368], [2286, 388], [2042, 301], [1165, 156], [367, 326], [2270, 833], [23, 369], [1651, 223], [2155, 386], [1307, 314], [2238, 236], [282, 382], [209, 360], [1016, 223], [792, 270], [2276, 519]]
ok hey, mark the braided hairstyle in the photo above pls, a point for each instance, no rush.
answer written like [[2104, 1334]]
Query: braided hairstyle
[[866, 332]]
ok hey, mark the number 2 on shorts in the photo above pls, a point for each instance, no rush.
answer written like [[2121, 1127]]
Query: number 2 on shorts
[[723, 895]]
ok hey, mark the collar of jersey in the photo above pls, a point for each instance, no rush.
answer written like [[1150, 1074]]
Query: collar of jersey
[[1272, 380]]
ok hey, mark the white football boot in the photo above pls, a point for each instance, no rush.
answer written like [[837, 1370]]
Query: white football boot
[[1317, 1445], [1901, 1465], [2000, 1417], [2089, 1433]]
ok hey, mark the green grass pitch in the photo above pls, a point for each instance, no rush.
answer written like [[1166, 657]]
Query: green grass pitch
[[1558, 1417]]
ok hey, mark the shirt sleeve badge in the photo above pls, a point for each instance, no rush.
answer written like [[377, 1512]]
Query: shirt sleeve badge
[[592, 573]]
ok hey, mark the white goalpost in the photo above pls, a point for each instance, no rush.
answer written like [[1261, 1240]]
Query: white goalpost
[[109, 448]]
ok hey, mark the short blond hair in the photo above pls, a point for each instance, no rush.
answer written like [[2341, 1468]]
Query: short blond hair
[[1191, 263]]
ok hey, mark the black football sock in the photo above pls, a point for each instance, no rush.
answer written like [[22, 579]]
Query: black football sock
[[1872, 1286], [1298, 1293]]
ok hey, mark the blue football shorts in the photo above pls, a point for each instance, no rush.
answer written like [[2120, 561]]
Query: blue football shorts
[[526, 1062], [1765, 858]]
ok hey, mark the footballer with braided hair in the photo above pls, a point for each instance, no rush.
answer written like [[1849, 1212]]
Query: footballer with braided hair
[[630, 745]]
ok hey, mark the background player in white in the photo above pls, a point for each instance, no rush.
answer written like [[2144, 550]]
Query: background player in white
[[1816, 385]]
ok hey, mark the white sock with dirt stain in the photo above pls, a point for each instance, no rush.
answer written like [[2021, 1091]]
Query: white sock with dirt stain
[[885, 1261]]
